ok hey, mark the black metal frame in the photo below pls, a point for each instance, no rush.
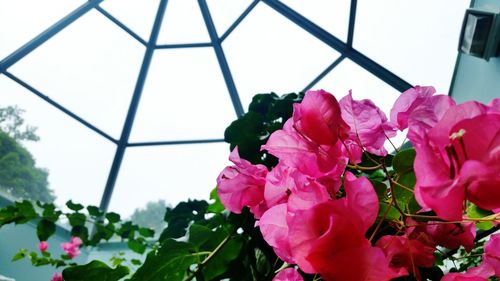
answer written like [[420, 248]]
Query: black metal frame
[[346, 50]]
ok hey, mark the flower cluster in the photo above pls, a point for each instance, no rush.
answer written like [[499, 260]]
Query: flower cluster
[[318, 211], [72, 249]]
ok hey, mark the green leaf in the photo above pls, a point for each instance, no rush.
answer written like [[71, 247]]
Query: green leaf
[[392, 214], [80, 231], [136, 262], [263, 265], [74, 206], [77, 219], [474, 211], [95, 270], [220, 261], [94, 211], [18, 213], [169, 263], [45, 229], [403, 161], [403, 195], [137, 245], [127, 230], [215, 207], [146, 232], [105, 231], [113, 217], [21, 254], [181, 216], [50, 213], [380, 189], [248, 133], [199, 234]]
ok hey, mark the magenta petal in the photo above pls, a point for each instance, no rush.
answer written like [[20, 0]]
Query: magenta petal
[[318, 117], [370, 265], [407, 102], [452, 236], [310, 158], [368, 124], [361, 198], [492, 253], [288, 274], [43, 246], [317, 233], [274, 228], [406, 254], [278, 183], [426, 116], [479, 273], [242, 185], [57, 277]]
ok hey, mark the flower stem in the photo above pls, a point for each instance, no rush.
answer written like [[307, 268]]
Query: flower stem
[[208, 258]]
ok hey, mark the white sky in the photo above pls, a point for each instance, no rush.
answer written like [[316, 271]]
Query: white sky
[[91, 68]]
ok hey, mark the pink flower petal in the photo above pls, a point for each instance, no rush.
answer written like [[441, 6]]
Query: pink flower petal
[[43, 246], [318, 117], [407, 102], [288, 274], [361, 198], [369, 127], [242, 185], [274, 228]]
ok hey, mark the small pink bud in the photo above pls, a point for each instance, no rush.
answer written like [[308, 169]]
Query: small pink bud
[[43, 246], [76, 241], [57, 277]]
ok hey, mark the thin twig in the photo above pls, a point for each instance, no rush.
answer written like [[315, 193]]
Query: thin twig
[[208, 258]]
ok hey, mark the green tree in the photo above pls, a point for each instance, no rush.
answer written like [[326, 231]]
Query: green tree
[[151, 216], [11, 122], [19, 176]]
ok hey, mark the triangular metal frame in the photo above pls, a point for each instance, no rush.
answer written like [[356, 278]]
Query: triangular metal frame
[[345, 49]]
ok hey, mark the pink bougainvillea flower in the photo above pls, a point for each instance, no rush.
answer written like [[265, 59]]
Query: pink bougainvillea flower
[[369, 127], [242, 185], [418, 110], [323, 236], [274, 228], [76, 241], [492, 253], [452, 236], [298, 152], [406, 254], [459, 160], [57, 277], [318, 117], [43, 246], [407, 102], [479, 273], [362, 199], [307, 193], [72, 249], [288, 274], [279, 181]]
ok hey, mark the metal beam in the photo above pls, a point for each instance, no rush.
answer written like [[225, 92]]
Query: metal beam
[[129, 121], [226, 72], [239, 20], [352, 22], [156, 143], [324, 73], [121, 25], [47, 34], [184, 45], [337, 44], [58, 106]]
